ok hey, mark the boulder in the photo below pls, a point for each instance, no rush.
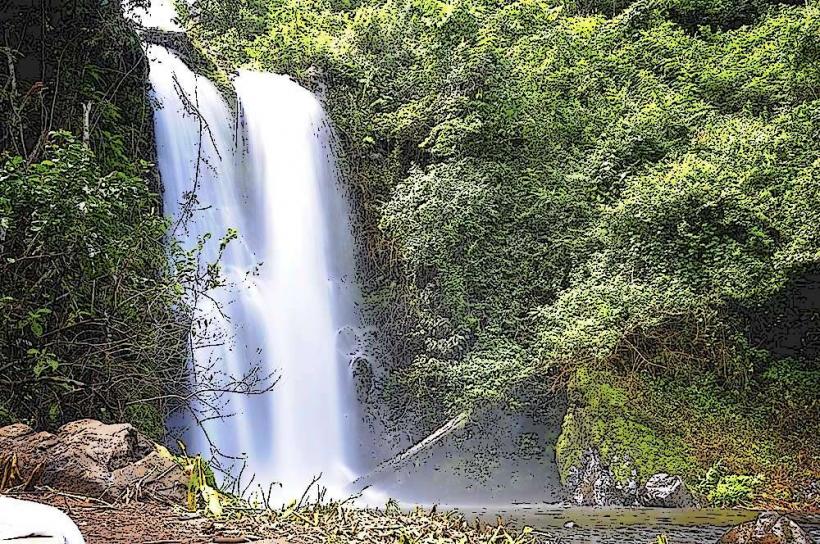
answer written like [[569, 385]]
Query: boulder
[[665, 491], [15, 431], [592, 483], [154, 476], [768, 528], [809, 493], [25, 449], [95, 459]]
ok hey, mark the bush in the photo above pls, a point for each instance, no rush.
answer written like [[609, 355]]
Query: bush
[[92, 320], [725, 490]]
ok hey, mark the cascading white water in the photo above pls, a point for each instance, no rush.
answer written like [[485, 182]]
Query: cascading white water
[[291, 306]]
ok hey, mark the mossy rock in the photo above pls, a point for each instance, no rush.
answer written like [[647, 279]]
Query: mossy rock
[[600, 417]]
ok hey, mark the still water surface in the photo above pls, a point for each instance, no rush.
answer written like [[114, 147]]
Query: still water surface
[[630, 525]]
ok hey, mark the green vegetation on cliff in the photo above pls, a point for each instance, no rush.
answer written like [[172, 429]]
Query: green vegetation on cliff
[[616, 199], [662, 424], [610, 201]]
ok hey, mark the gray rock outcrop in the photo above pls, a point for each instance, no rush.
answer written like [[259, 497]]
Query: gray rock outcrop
[[592, 483], [94, 459], [665, 491]]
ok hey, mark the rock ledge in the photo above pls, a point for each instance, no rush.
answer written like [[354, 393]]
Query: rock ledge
[[87, 457]]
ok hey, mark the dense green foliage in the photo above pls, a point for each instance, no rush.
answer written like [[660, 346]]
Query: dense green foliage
[[92, 322], [88, 327], [548, 186], [60, 59]]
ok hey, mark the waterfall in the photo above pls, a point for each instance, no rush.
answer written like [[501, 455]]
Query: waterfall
[[291, 303]]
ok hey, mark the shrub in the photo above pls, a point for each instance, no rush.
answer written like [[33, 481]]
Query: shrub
[[91, 319], [726, 490]]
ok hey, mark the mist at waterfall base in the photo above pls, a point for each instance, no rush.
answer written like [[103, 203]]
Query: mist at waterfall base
[[291, 308], [290, 304]]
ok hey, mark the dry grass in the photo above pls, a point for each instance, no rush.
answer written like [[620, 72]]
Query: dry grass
[[337, 523], [326, 523]]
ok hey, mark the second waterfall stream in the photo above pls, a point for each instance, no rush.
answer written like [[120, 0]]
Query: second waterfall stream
[[267, 172]]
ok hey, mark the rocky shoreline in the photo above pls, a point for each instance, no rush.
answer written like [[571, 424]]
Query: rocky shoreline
[[594, 484], [118, 486], [109, 462]]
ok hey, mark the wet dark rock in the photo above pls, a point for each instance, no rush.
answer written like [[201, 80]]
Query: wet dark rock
[[768, 528], [665, 491], [628, 490], [592, 483]]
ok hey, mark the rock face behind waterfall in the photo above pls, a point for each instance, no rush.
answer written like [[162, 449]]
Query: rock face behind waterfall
[[91, 458]]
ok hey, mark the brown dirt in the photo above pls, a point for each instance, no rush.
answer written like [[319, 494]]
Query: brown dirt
[[153, 523], [145, 523]]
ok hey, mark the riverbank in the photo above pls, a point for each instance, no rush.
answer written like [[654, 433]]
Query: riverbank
[[621, 525], [155, 523], [118, 486]]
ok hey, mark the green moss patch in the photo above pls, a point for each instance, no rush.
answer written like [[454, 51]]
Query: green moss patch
[[759, 436], [602, 415]]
